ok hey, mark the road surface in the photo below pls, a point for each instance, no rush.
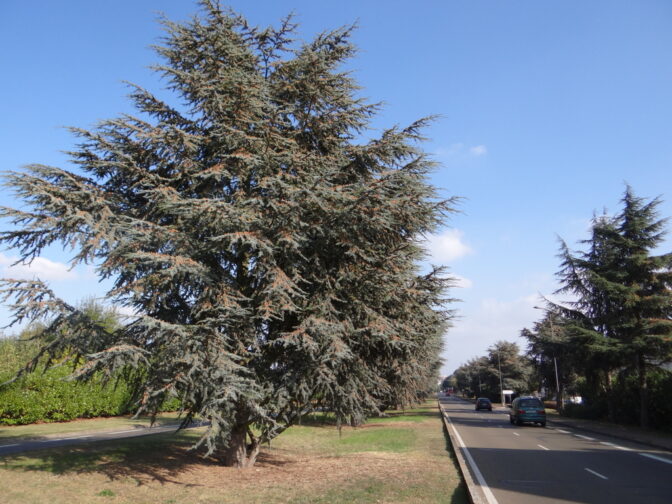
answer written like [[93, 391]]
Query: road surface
[[8, 447], [531, 464]]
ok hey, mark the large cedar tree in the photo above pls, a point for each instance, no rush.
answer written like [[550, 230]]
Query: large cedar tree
[[270, 250]]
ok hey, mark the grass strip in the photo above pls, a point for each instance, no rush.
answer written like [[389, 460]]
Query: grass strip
[[401, 459]]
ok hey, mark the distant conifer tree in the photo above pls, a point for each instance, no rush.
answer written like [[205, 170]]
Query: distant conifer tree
[[623, 292], [270, 251]]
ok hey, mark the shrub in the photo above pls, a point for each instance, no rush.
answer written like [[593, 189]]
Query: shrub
[[47, 397], [50, 397]]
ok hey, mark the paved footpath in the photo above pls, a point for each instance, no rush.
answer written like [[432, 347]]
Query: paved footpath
[[10, 446]]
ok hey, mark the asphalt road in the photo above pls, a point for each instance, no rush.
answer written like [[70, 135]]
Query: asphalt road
[[532, 464], [16, 446]]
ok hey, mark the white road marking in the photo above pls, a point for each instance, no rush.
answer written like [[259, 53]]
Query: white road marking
[[6, 445], [563, 431], [543, 447], [516, 434], [656, 457], [585, 437], [489, 496], [615, 446], [124, 431], [596, 473]]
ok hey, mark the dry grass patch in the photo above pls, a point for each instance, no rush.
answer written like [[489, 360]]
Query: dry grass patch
[[398, 461]]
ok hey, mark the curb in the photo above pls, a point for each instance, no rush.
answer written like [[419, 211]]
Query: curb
[[473, 488]]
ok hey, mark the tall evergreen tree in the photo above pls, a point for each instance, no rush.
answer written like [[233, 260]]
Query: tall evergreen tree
[[473, 378], [556, 350], [509, 369], [623, 292], [589, 315], [645, 299], [270, 252]]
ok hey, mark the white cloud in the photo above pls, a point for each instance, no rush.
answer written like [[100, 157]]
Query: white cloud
[[462, 282], [495, 309], [126, 311], [462, 150], [40, 267], [491, 320], [478, 150], [447, 246], [452, 150]]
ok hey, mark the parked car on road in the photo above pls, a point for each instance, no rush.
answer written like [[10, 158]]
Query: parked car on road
[[527, 409], [483, 403]]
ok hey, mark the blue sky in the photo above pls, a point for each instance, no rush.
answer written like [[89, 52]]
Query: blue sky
[[546, 110]]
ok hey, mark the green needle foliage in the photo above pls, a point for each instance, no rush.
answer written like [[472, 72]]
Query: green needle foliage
[[623, 305], [557, 349], [270, 252]]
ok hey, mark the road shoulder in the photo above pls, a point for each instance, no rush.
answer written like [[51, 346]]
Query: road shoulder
[[476, 491]]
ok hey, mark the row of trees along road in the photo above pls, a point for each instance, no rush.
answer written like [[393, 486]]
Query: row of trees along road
[[616, 329], [269, 249], [611, 341], [503, 368]]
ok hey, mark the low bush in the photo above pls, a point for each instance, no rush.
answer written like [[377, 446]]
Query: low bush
[[48, 397], [626, 402], [586, 411]]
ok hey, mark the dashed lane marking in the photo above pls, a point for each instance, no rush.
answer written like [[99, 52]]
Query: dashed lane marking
[[585, 437], [613, 445], [656, 457], [596, 473], [563, 431], [543, 447]]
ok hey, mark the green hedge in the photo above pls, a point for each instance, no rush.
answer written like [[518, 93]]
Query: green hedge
[[46, 397], [626, 403]]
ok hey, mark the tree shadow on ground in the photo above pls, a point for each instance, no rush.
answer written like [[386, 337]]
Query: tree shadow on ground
[[328, 420], [161, 458], [412, 413]]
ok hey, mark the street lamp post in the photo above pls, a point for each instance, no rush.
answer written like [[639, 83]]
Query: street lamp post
[[501, 385], [558, 400]]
